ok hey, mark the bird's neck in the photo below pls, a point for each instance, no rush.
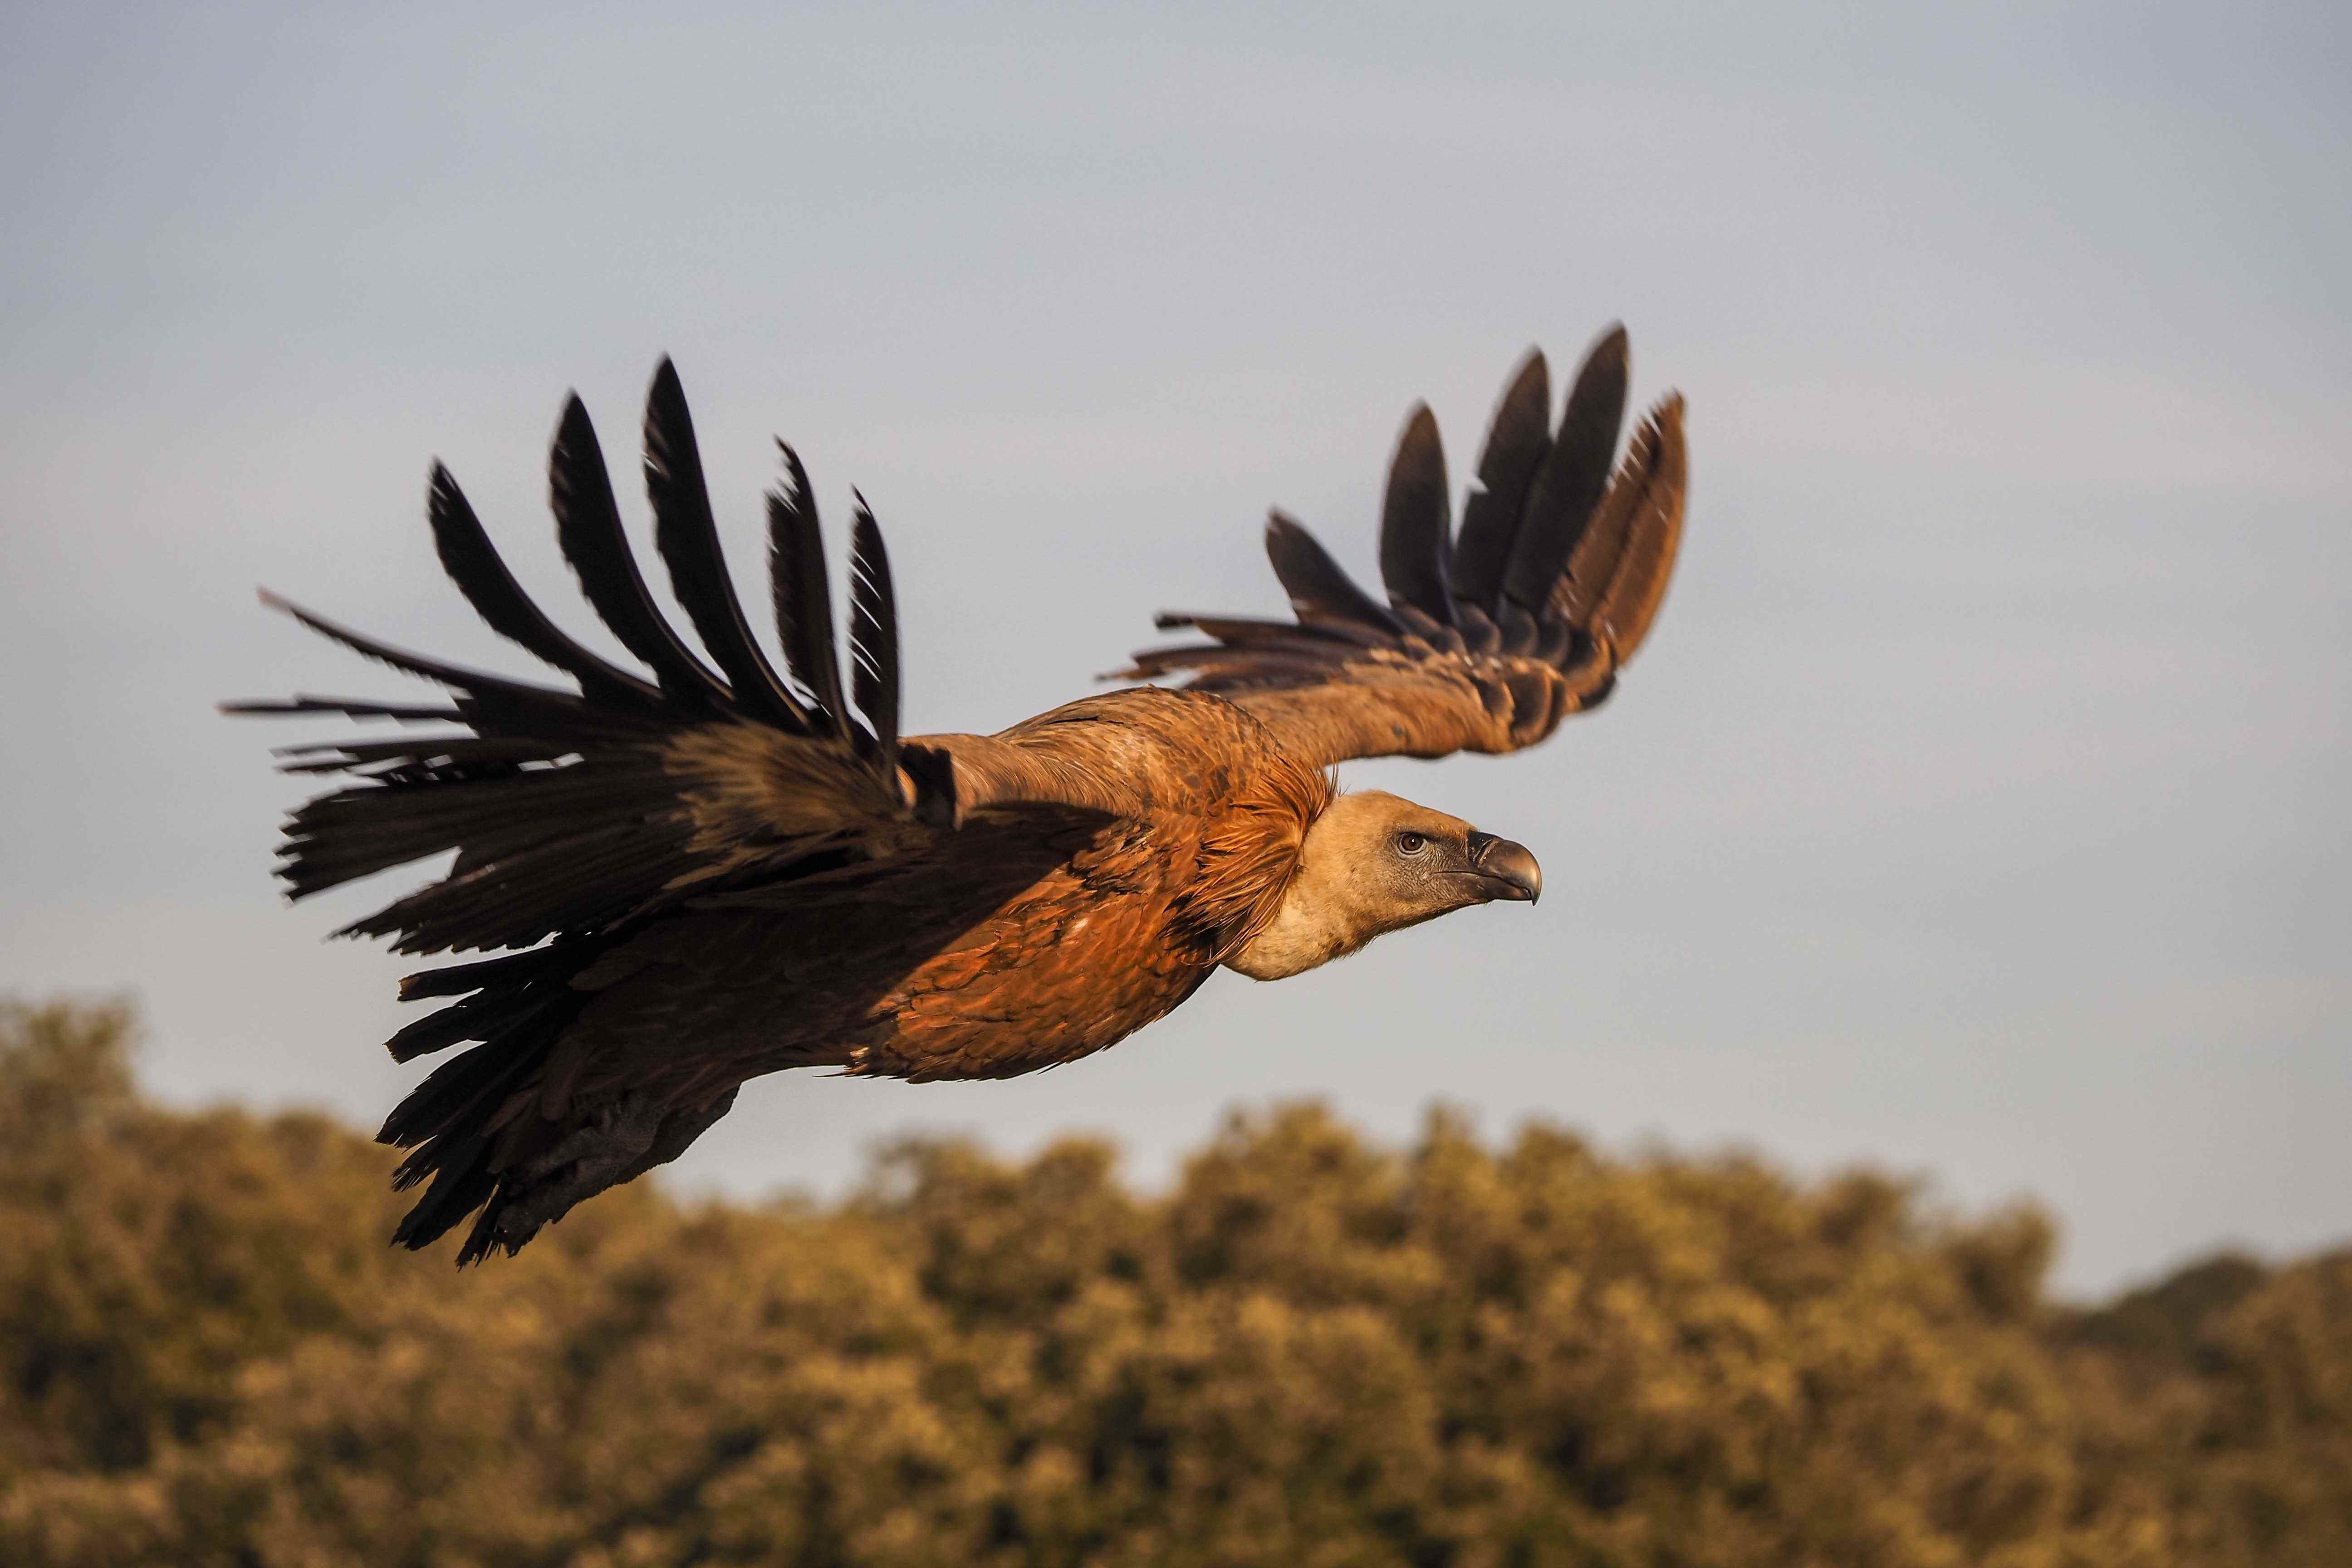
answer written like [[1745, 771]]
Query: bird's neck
[[1322, 916]]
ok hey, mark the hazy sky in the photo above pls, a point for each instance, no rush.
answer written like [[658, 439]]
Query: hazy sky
[[1978, 808]]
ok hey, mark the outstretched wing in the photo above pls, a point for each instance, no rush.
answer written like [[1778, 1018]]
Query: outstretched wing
[[1490, 636], [574, 812], [623, 826]]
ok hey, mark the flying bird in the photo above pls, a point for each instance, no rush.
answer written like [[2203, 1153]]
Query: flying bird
[[719, 866]]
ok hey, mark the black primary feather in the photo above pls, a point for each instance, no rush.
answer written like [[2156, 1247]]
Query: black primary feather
[[803, 598], [1319, 589], [1515, 443], [874, 635], [1657, 471], [349, 707], [588, 529], [473, 564], [1573, 475], [1247, 629], [688, 537], [457, 979], [1417, 522], [479, 1017], [471, 681]]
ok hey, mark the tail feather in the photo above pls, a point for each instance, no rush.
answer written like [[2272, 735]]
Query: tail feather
[[449, 1119]]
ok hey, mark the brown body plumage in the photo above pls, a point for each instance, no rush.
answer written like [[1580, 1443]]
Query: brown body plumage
[[718, 872]]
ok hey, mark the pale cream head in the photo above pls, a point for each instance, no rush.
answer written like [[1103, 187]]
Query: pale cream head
[[1374, 863]]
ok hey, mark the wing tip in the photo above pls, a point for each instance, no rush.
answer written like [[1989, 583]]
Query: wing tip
[[873, 632], [575, 436], [670, 425], [446, 506], [1608, 364], [1530, 383], [1611, 350], [1420, 448], [790, 492], [865, 537]]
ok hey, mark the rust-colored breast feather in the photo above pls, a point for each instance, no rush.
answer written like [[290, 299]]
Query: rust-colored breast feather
[[1082, 958]]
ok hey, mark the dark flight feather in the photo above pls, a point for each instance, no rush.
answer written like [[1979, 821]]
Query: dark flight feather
[[457, 979], [447, 1090], [349, 707], [399, 760], [457, 676], [1268, 638], [1573, 475], [802, 592], [588, 529], [874, 635], [1656, 470], [1515, 443], [1244, 628], [480, 1018], [473, 564], [1319, 590], [687, 538], [1417, 522], [1593, 563]]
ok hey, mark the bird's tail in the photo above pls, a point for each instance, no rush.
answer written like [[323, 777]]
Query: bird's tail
[[471, 1116], [498, 1128]]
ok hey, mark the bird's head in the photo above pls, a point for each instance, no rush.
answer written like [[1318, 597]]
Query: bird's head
[[1373, 863]]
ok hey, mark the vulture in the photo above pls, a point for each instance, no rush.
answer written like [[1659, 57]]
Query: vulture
[[718, 864]]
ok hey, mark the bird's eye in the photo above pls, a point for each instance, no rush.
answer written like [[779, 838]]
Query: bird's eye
[[1410, 844]]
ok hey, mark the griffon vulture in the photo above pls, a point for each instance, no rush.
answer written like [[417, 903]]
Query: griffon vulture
[[714, 868]]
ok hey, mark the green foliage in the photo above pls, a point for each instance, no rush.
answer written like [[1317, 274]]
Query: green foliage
[[1313, 1350]]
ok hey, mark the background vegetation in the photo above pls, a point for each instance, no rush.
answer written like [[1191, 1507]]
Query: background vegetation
[[1313, 1350]]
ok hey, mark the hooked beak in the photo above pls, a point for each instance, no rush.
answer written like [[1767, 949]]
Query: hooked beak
[[1505, 869]]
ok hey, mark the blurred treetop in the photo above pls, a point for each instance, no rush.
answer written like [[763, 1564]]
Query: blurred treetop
[[1313, 1350]]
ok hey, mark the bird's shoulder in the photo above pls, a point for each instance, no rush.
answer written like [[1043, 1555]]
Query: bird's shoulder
[[1175, 751]]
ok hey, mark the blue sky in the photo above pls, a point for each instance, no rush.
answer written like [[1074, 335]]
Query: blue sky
[[1977, 808]]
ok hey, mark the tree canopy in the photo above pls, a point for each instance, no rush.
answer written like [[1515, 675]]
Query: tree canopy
[[1312, 1350]]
